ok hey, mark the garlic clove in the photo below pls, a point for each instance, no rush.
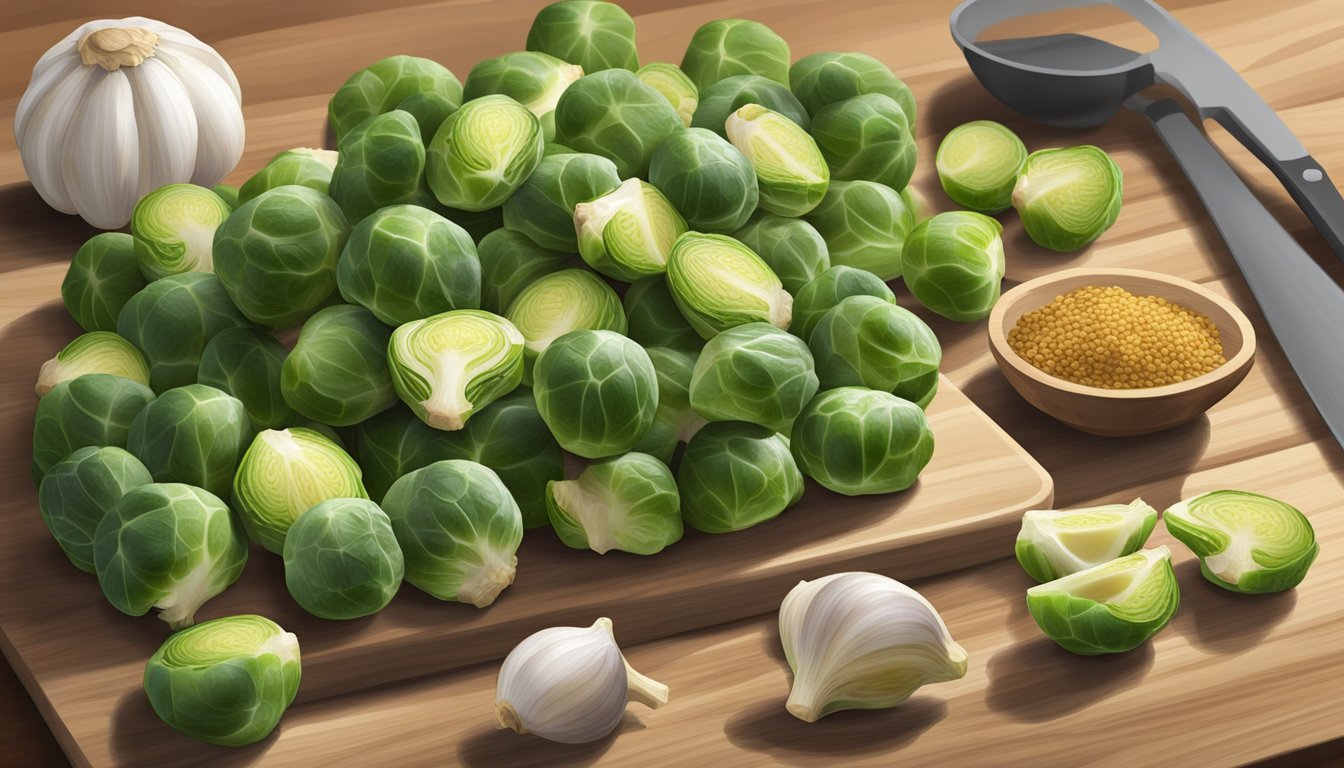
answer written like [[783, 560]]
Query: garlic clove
[[219, 146], [42, 131], [101, 158], [166, 128]]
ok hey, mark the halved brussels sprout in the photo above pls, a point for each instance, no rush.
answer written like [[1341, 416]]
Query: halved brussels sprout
[[628, 503], [730, 94], [1068, 197], [865, 225], [393, 443], [729, 47], [78, 491], [174, 229], [613, 380], [543, 208], [168, 546], [342, 560], [172, 320], [1109, 608], [338, 373], [303, 166], [791, 174], [707, 179], [825, 78], [558, 303], [104, 274], [381, 163], [483, 152], [246, 363], [593, 34], [653, 318], [754, 373], [953, 263], [858, 441], [830, 288], [429, 109], [510, 262], [735, 475], [674, 85], [614, 114], [459, 530], [865, 341], [978, 163], [95, 409], [792, 248], [1245, 542], [381, 86], [675, 421], [95, 352], [866, 137], [449, 366], [1054, 543], [718, 283], [193, 434], [226, 193], [531, 78], [628, 233]]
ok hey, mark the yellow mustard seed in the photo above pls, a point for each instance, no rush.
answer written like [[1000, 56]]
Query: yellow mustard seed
[[1109, 338]]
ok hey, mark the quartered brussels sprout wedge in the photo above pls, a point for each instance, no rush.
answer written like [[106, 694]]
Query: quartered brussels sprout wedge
[[628, 233], [1055, 543], [1245, 542]]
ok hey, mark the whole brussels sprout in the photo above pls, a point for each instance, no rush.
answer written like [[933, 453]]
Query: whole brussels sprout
[[478, 224], [393, 443], [483, 152], [675, 421], [168, 546], [754, 373], [226, 193], [193, 434], [791, 174], [104, 274], [404, 262], [729, 47], [865, 225], [825, 78], [674, 85], [246, 363], [303, 166], [543, 207], [627, 233], [735, 475], [381, 86], [856, 441], [793, 249], [78, 491], [342, 560], [429, 109], [719, 283], [173, 227], [1068, 197], [865, 341], [95, 352], [531, 78], [510, 262], [172, 320], [95, 409], [338, 373], [830, 288], [866, 137], [561, 302], [978, 165], [653, 318], [730, 94], [708, 180], [276, 255], [593, 34], [953, 263], [449, 366], [613, 380], [381, 163], [614, 114], [629, 503]]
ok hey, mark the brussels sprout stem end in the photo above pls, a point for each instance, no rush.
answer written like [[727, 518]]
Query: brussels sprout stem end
[[482, 587], [178, 608]]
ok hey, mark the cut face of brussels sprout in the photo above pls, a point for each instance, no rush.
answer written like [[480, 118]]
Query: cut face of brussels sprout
[[381, 86], [168, 546], [978, 163], [510, 262], [831, 287], [226, 681], [226, 193], [857, 441], [865, 341], [429, 109], [531, 78], [593, 34], [718, 283], [653, 318], [543, 208], [674, 85], [78, 491], [174, 229], [172, 319], [865, 225], [735, 475], [953, 263], [866, 137], [459, 531], [1055, 543], [825, 78], [246, 363], [342, 560], [94, 409], [611, 378], [675, 421], [193, 434], [303, 166], [338, 371], [1245, 542], [448, 366], [707, 179], [628, 233], [791, 174], [1068, 197], [96, 352], [104, 274], [793, 249], [728, 47], [730, 94], [483, 152], [381, 163], [615, 115], [565, 301], [1110, 608], [755, 373], [629, 503]]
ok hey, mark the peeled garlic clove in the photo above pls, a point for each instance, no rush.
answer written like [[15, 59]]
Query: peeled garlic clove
[[1054, 543], [570, 684], [862, 641]]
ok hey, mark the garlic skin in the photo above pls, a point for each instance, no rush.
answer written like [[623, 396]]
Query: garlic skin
[[862, 641], [121, 107], [570, 685]]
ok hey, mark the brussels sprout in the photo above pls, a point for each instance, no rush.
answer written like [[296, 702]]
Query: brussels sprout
[[1245, 542], [754, 373], [449, 366], [793, 249], [552, 148], [674, 85], [303, 166], [870, 342], [978, 163], [857, 441], [916, 203], [510, 262], [558, 303], [429, 109], [718, 283], [286, 472], [193, 434], [829, 288], [78, 491], [531, 78], [707, 179], [865, 225], [1068, 197], [614, 114], [95, 409], [1110, 608], [629, 503], [381, 163], [276, 255], [226, 193], [543, 208], [104, 274], [628, 233], [675, 421], [597, 391], [226, 681], [459, 530], [730, 94], [393, 443], [95, 352], [791, 174], [342, 560], [168, 546], [1055, 543], [953, 263], [246, 363], [866, 137], [381, 86], [478, 224], [174, 229], [595, 35], [735, 475], [405, 262], [172, 320], [825, 78], [729, 47], [338, 373], [483, 152], [653, 318]]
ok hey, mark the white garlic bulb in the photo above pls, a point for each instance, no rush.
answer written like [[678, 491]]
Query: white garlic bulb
[[570, 684], [862, 641], [121, 107]]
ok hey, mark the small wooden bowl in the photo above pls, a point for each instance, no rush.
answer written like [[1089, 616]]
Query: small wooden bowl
[[1119, 412]]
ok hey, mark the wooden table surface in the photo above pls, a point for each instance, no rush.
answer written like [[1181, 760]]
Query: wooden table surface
[[1233, 680]]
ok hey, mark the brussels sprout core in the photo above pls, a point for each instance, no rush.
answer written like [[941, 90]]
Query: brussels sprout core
[[1245, 542], [447, 366]]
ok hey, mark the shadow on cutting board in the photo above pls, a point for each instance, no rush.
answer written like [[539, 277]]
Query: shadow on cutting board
[[139, 737], [1220, 621], [489, 747], [1037, 680], [769, 728]]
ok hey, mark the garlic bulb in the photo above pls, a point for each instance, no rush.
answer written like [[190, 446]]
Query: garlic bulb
[[121, 107], [862, 641], [570, 684]]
